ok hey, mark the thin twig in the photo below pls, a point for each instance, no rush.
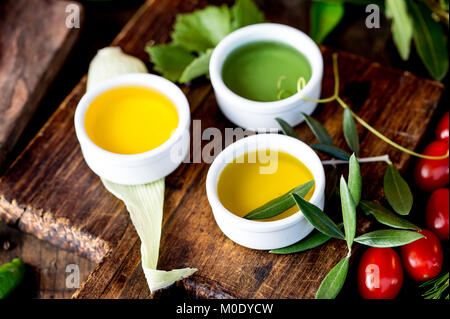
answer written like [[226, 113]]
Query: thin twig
[[301, 84], [382, 158]]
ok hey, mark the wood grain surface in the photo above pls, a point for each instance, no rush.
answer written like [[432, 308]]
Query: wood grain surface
[[34, 42], [47, 267], [50, 192]]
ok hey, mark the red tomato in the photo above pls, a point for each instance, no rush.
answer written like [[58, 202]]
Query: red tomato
[[442, 129], [432, 174], [380, 274], [423, 258], [437, 212]]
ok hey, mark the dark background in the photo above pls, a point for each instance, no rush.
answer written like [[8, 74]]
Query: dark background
[[103, 20]]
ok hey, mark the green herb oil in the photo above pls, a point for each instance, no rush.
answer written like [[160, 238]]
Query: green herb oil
[[258, 71]]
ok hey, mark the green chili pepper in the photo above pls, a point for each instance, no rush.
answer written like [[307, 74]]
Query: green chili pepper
[[11, 275]]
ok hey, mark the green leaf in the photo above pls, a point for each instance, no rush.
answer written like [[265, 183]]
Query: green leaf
[[202, 29], [169, 60], [312, 241], [280, 204], [324, 17], [11, 275], [318, 218], [286, 128], [348, 213], [397, 191], [332, 151], [402, 26], [385, 216], [430, 40], [245, 12], [198, 67], [354, 179], [388, 238], [319, 131], [444, 4], [350, 132], [334, 281]]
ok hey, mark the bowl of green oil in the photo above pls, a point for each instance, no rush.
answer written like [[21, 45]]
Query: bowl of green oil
[[257, 71]]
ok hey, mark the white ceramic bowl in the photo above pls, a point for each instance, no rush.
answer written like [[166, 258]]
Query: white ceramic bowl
[[272, 234], [143, 167], [255, 115]]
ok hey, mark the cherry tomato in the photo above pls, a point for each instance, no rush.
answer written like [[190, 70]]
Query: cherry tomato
[[380, 274], [442, 129], [423, 258], [432, 174], [437, 212]]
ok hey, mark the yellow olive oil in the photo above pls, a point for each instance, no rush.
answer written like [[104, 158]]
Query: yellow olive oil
[[242, 185], [130, 120]]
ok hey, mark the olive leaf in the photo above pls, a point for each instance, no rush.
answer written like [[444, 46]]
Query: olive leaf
[[280, 204], [318, 218], [350, 132], [324, 17], [319, 131], [332, 151], [397, 191], [430, 40], [388, 238], [402, 26], [286, 128], [348, 213], [312, 241], [332, 284], [385, 216], [354, 179]]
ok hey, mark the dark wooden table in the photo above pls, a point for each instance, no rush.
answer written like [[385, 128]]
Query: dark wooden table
[[46, 263], [102, 22]]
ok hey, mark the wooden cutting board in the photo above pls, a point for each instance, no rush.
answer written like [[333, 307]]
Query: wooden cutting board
[[50, 192], [34, 42]]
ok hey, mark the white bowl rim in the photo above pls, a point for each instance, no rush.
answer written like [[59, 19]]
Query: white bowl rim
[[215, 66], [148, 80], [252, 225]]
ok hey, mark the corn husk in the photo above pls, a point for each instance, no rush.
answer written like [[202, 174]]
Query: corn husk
[[110, 62], [144, 202]]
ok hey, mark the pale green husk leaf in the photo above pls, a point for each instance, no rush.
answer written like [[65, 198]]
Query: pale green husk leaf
[[110, 62], [145, 205], [143, 202]]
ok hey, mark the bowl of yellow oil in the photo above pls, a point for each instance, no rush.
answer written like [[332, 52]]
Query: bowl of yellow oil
[[255, 170], [134, 128]]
